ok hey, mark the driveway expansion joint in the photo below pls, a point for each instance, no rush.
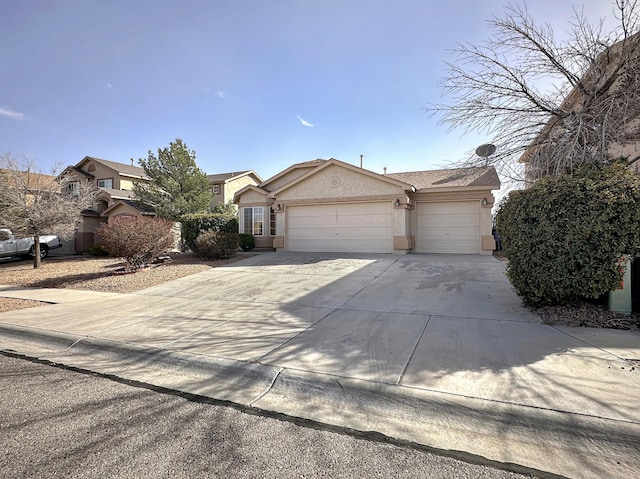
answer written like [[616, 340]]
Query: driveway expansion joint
[[351, 349]]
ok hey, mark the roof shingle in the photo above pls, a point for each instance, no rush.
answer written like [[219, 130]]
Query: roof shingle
[[458, 177], [122, 168]]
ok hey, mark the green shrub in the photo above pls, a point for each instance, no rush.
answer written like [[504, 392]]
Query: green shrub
[[225, 209], [216, 245], [97, 250], [565, 235], [195, 224], [247, 241], [137, 239]]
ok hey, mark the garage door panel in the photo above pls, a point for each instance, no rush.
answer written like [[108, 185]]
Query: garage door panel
[[450, 207], [448, 227], [366, 227], [458, 247], [453, 234], [451, 221]]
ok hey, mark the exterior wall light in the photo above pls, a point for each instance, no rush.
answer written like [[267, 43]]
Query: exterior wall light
[[397, 203], [484, 201]]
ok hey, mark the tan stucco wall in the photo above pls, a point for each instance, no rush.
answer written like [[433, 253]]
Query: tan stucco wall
[[217, 198], [88, 224], [631, 148], [123, 209], [264, 242], [233, 187], [229, 189], [101, 172], [336, 181], [252, 197]]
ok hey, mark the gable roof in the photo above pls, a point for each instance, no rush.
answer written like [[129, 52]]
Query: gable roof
[[296, 166], [122, 168], [143, 208], [457, 177], [117, 194], [224, 177], [333, 161], [243, 190]]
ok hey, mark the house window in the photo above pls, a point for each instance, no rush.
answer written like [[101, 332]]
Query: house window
[[216, 189], [106, 183], [272, 222], [253, 220], [73, 188]]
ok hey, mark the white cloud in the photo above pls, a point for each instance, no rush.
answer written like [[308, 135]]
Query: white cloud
[[11, 114], [109, 85], [304, 122], [220, 94]]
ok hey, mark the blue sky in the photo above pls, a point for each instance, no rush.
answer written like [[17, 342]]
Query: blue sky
[[247, 84]]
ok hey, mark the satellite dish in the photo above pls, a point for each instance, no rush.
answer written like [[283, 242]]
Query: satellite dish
[[486, 150]]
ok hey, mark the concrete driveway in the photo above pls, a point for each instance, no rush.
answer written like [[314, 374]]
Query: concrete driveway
[[313, 332]]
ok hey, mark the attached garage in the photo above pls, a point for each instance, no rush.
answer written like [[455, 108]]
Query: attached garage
[[448, 227], [340, 227], [332, 206]]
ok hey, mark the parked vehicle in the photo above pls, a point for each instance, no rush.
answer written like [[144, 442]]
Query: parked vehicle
[[24, 247]]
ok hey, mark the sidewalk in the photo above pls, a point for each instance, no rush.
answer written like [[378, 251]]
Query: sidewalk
[[317, 339]]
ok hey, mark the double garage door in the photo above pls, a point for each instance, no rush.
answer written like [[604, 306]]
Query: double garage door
[[446, 227], [347, 227]]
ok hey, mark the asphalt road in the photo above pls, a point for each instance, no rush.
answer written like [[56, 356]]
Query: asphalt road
[[60, 423]]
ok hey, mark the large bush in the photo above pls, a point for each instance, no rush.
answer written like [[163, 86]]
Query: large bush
[[216, 245], [565, 235], [137, 239], [195, 224]]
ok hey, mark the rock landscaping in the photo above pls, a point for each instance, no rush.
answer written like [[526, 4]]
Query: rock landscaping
[[587, 315], [97, 274]]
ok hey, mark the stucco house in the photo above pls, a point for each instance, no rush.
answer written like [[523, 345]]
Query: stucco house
[[333, 206], [602, 96], [225, 185], [115, 196]]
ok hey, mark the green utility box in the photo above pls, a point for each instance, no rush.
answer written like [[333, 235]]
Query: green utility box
[[620, 299]]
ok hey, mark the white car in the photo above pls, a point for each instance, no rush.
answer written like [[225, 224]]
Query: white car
[[24, 247]]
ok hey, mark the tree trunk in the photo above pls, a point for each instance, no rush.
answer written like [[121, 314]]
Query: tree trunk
[[36, 252]]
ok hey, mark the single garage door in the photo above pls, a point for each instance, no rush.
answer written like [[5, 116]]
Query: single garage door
[[448, 227], [347, 227]]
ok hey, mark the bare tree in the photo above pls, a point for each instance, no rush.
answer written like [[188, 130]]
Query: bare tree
[[33, 203], [552, 105]]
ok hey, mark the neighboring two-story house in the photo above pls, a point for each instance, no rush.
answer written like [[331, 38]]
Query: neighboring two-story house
[[225, 185], [599, 118], [115, 192], [115, 196]]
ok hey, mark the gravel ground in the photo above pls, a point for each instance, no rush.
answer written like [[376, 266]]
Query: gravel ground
[[97, 274], [589, 316]]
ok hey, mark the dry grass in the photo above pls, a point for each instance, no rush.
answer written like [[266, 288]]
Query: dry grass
[[96, 274]]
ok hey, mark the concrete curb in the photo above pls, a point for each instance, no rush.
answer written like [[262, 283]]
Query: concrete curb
[[555, 442]]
